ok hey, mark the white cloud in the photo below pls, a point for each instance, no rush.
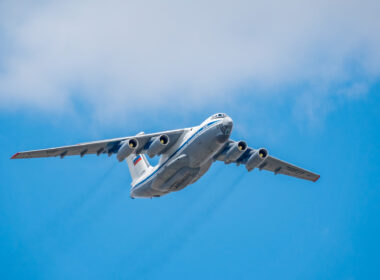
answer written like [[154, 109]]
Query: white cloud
[[118, 55]]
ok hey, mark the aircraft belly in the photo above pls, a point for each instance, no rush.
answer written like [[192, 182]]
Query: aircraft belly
[[180, 179], [203, 169], [184, 169], [202, 149], [169, 171], [146, 190]]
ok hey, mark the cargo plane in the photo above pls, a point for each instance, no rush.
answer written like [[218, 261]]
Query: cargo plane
[[185, 156]]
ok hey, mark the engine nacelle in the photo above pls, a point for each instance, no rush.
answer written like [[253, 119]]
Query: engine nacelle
[[256, 159], [157, 145], [235, 151], [127, 147]]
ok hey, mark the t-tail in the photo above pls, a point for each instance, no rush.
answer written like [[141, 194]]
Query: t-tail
[[139, 166]]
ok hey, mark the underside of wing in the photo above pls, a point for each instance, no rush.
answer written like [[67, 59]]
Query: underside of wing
[[140, 143], [240, 153], [281, 167]]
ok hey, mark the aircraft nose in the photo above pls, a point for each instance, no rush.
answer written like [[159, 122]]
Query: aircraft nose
[[227, 124], [225, 129]]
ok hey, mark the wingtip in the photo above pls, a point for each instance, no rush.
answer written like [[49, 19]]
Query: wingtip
[[316, 179], [15, 155]]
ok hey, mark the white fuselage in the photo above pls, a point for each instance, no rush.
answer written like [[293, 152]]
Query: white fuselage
[[187, 160]]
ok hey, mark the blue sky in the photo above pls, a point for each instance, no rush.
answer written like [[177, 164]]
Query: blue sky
[[302, 81]]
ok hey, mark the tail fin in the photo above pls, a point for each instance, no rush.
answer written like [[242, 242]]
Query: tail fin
[[138, 166]]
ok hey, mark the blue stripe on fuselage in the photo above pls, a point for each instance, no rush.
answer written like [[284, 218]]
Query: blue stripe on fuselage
[[187, 141]]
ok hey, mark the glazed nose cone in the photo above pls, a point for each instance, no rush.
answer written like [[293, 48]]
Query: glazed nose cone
[[228, 123]]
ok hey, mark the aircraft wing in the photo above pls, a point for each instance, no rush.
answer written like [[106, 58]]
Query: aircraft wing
[[109, 146], [270, 163], [281, 167]]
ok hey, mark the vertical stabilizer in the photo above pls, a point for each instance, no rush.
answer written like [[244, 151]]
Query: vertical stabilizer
[[138, 166]]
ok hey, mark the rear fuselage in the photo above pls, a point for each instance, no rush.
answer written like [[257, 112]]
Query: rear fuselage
[[186, 161]]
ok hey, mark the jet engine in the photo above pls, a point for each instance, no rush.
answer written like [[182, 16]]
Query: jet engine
[[158, 145], [127, 147], [256, 159], [235, 151]]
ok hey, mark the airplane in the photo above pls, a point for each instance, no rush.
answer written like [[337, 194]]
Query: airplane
[[185, 156]]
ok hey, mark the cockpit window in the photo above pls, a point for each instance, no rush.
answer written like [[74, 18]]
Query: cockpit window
[[218, 116]]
